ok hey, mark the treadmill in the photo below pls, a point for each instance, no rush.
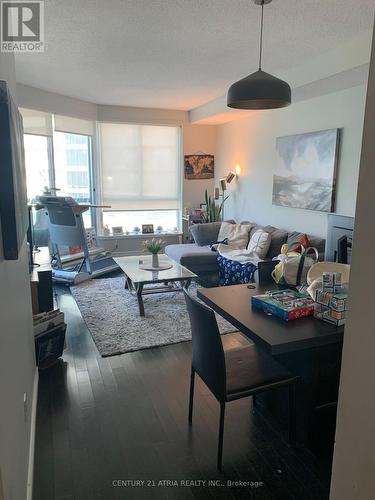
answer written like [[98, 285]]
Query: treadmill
[[66, 228]]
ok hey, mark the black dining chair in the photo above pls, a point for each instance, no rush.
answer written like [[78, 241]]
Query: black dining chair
[[234, 374]]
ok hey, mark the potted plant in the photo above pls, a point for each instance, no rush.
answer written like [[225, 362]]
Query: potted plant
[[213, 211], [136, 229], [153, 246], [159, 229]]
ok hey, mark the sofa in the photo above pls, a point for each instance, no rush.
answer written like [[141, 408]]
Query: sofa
[[201, 260]]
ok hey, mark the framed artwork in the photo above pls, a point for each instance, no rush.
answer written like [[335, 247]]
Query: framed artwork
[[305, 173], [117, 230], [147, 228], [200, 166]]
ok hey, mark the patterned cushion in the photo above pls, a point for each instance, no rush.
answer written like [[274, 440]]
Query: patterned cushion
[[259, 243], [234, 273]]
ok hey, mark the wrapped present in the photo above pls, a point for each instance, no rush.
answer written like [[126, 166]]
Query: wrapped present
[[332, 282], [331, 306]]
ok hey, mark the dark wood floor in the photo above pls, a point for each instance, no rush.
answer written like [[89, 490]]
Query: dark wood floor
[[103, 420]]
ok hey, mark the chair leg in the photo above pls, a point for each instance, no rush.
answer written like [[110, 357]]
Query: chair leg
[[292, 414], [221, 435], [191, 396]]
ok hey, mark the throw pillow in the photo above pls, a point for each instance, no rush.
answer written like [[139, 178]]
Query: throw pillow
[[304, 242], [259, 243], [236, 234]]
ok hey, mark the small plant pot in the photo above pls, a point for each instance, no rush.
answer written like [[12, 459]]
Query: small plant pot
[[155, 260]]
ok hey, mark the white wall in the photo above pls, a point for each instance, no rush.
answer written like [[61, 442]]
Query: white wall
[[17, 363], [251, 142], [354, 456]]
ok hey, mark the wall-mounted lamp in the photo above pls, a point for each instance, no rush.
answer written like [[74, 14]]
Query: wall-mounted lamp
[[238, 169]]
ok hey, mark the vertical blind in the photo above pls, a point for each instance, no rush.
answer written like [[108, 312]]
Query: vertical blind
[[140, 166]]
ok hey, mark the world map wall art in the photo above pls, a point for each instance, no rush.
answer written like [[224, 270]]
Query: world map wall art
[[305, 173]]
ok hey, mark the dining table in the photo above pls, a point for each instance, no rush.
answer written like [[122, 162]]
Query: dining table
[[309, 347]]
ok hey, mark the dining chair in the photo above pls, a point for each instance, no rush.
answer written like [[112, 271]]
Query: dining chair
[[235, 373]]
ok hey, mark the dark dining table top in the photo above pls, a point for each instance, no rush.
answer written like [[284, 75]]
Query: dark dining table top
[[274, 334]]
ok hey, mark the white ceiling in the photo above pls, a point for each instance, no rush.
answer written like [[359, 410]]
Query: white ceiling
[[178, 54]]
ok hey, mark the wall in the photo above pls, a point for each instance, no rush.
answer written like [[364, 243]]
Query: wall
[[198, 139], [251, 143], [354, 458], [17, 363]]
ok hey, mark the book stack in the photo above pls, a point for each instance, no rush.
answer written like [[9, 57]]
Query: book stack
[[49, 332]]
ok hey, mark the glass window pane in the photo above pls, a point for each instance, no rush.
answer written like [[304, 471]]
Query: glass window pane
[[37, 164], [72, 168]]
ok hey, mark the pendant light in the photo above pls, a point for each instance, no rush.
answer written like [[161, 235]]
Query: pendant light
[[260, 90]]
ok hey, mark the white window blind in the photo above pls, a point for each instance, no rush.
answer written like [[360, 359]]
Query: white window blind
[[74, 125], [36, 122], [140, 166]]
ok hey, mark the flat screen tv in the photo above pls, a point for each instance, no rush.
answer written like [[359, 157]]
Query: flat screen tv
[[13, 196]]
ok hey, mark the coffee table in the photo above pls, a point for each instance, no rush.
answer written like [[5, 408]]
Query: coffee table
[[137, 279]]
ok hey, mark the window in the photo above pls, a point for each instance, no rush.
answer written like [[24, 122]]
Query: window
[[140, 174], [72, 168], [37, 165]]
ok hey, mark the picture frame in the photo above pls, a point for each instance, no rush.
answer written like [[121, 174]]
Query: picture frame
[[203, 207], [147, 228], [117, 231], [199, 166]]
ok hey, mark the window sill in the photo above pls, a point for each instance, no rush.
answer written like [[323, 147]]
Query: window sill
[[139, 235]]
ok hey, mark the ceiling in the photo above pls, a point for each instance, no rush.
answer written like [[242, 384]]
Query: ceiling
[[178, 54]]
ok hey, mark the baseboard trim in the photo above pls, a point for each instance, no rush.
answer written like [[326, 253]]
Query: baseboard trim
[[30, 471]]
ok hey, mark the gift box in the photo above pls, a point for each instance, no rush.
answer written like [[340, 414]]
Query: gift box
[[331, 306]]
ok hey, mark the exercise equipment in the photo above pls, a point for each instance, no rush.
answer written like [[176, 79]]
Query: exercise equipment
[[66, 228]]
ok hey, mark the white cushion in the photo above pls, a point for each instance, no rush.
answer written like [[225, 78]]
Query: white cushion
[[259, 243], [237, 234]]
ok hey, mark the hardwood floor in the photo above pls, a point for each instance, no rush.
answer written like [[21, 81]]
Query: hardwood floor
[[104, 421]]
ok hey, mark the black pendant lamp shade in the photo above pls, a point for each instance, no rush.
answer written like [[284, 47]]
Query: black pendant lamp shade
[[260, 90]]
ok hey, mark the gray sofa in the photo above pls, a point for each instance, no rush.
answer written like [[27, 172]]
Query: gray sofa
[[200, 259]]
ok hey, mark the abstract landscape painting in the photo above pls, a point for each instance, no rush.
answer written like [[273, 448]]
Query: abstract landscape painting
[[305, 174], [199, 166]]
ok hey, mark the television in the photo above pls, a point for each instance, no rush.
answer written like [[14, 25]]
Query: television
[[13, 195]]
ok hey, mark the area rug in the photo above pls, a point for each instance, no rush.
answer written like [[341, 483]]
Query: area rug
[[112, 316]]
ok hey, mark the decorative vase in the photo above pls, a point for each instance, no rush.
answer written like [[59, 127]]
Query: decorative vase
[[155, 260]]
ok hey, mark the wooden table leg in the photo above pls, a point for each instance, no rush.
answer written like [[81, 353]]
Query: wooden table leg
[[140, 300]]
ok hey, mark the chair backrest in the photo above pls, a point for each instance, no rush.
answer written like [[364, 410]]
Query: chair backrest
[[208, 353]]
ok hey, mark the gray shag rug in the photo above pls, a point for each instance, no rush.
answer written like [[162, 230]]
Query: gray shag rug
[[112, 316]]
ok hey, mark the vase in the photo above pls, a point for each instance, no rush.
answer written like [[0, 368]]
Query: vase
[[155, 260]]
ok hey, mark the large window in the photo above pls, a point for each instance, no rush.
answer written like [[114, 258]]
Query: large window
[[37, 165], [140, 175], [58, 156]]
